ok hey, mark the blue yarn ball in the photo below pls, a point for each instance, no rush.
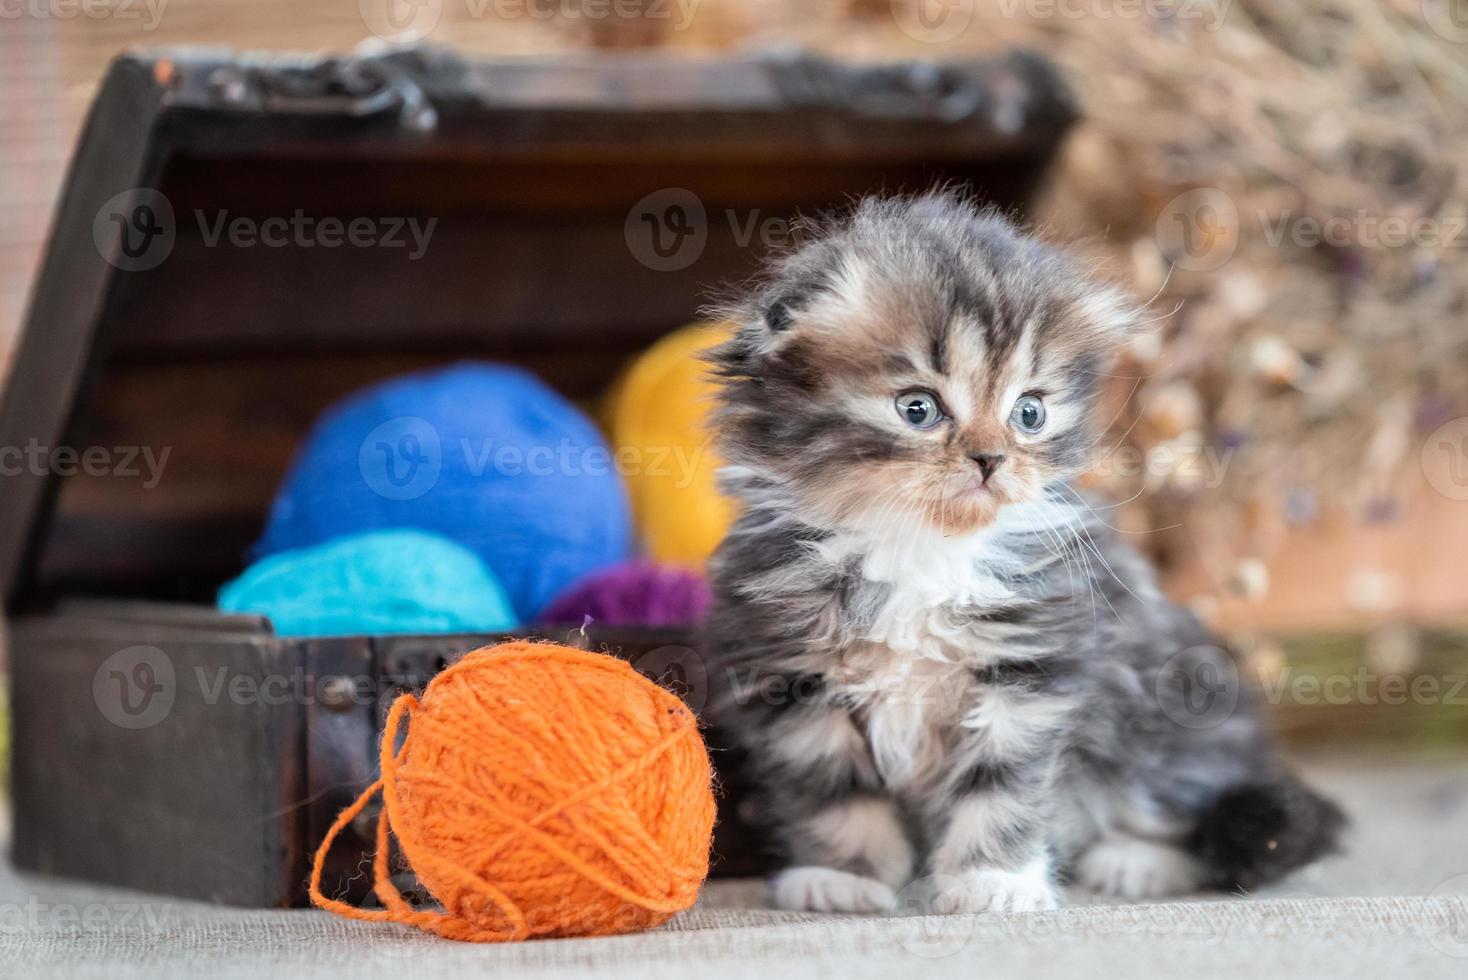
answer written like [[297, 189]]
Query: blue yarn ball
[[485, 455], [400, 581]]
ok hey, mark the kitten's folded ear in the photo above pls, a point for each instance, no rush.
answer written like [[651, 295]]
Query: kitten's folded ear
[[764, 323], [755, 329], [767, 319], [780, 304], [778, 316]]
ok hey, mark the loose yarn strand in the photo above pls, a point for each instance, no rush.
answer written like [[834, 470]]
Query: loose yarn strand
[[399, 909], [538, 790]]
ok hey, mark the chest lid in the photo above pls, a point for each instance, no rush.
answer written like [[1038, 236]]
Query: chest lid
[[243, 238]]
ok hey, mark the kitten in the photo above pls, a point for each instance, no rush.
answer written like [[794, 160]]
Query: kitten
[[940, 662]]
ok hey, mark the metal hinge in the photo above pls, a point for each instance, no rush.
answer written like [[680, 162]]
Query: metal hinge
[[354, 86]]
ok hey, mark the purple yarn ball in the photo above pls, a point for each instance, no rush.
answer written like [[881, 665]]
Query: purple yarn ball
[[633, 594]]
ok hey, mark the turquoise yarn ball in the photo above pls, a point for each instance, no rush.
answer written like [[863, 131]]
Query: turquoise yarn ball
[[398, 581]]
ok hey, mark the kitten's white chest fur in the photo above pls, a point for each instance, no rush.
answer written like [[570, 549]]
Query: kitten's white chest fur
[[936, 583], [911, 669]]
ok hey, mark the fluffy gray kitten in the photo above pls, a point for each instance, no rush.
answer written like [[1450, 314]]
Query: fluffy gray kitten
[[941, 664]]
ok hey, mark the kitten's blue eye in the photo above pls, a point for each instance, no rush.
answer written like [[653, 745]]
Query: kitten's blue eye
[[919, 409], [1029, 413]]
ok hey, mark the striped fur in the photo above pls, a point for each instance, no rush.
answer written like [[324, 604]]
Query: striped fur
[[937, 676]]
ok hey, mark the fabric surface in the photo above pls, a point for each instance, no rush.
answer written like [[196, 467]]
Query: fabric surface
[[1393, 906]]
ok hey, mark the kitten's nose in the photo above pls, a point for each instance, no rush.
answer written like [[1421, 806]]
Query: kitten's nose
[[988, 463]]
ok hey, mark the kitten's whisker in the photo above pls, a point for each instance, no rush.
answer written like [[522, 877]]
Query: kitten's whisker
[[1090, 577], [1082, 562], [1053, 532], [1124, 377], [1075, 539], [1061, 550], [893, 511], [1164, 316], [1107, 427], [1090, 542], [1052, 543], [1103, 506], [1122, 438], [1171, 268], [1118, 530]]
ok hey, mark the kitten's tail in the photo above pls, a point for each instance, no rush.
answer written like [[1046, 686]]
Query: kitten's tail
[[1256, 833]]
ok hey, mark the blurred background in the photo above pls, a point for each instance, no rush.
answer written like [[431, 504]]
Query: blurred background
[[1281, 182]]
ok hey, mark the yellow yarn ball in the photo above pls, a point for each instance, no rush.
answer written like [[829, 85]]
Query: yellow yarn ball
[[658, 418]]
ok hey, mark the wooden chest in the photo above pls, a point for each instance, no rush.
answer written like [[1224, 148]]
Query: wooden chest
[[164, 378]]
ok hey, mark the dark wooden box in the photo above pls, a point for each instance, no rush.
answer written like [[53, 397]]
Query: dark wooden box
[[162, 745]]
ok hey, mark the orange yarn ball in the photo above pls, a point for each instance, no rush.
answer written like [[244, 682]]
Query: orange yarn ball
[[539, 791]]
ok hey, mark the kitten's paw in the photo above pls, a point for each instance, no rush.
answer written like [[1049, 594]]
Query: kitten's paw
[[992, 890], [1129, 867], [828, 890]]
